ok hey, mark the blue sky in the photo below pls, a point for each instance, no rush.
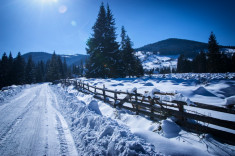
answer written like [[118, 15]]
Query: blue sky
[[65, 25]]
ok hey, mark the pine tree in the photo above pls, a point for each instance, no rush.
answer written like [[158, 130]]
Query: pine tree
[[112, 54], [81, 67], [226, 63], [4, 70], [233, 63], [10, 70], [214, 56], [131, 64], [103, 48], [40, 72], [30, 71], [65, 68], [180, 64], [19, 70], [60, 68], [52, 69], [199, 63], [97, 65]]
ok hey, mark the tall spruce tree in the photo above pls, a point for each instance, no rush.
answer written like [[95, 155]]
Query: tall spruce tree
[[131, 64], [19, 70], [112, 53], [214, 55], [102, 47], [96, 64]]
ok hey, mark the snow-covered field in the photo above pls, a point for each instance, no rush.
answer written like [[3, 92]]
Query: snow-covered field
[[212, 89], [44, 119], [204, 88]]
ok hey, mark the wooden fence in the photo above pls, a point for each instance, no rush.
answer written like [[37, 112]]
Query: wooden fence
[[159, 109]]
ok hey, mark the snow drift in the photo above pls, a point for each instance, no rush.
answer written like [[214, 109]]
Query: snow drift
[[95, 134]]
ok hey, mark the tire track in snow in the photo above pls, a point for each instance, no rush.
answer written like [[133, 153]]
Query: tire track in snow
[[24, 136], [32, 125], [10, 128], [61, 137], [64, 134]]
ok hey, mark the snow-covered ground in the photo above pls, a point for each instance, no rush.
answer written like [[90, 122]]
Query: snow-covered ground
[[212, 89], [150, 60], [51, 120], [167, 137], [204, 88], [30, 124]]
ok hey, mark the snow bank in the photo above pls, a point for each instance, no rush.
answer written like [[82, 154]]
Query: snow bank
[[95, 134], [8, 92]]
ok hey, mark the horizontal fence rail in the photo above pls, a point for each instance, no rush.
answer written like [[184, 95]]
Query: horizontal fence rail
[[159, 109]]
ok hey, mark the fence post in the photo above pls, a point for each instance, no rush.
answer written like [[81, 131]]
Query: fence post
[[76, 84], [104, 93], [151, 101], [83, 87], [95, 89], [136, 100], [181, 110], [115, 98], [80, 85], [88, 86]]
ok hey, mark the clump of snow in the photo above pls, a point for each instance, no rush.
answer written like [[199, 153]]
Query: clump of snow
[[180, 97], [152, 93], [170, 129], [230, 101], [93, 106], [148, 84], [133, 91]]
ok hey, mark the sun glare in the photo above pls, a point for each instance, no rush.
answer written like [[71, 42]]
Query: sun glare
[[49, 1]]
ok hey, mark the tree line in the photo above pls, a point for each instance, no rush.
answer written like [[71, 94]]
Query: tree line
[[108, 58], [18, 71], [213, 61]]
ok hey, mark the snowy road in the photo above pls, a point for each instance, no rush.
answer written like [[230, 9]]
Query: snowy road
[[30, 124]]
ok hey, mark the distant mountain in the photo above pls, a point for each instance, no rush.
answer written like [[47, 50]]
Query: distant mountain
[[174, 46], [70, 59]]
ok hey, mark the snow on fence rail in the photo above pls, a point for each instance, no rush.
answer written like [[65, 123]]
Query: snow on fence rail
[[157, 108]]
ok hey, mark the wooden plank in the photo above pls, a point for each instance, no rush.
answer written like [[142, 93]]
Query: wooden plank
[[209, 107], [144, 112], [207, 119]]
